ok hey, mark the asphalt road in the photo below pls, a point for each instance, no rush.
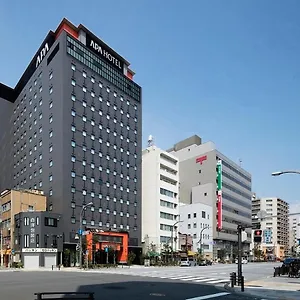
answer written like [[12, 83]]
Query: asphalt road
[[22, 286], [217, 274]]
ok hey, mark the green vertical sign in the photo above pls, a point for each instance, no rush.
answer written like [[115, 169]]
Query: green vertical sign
[[219, 175]]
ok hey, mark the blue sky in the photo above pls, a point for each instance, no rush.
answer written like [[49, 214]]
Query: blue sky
[[228, 71]]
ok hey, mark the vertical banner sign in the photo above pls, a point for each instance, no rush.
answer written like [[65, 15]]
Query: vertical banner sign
[[219, 194], [32, 231]]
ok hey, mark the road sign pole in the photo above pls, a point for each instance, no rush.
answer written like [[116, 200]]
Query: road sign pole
[[240, 248]]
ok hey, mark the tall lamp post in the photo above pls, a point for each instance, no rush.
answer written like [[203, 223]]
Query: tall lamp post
[[172, 237], [200, 241], [286, 172], [80, 231]]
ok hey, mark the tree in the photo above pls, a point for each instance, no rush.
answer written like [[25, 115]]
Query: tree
[[131, 258]]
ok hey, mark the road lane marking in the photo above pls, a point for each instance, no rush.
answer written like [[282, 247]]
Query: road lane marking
[[210, 296], [219, 281], [191, 278], [205, 279], [182, 277]]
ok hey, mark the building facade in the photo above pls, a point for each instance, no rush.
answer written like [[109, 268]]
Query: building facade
[[12, 203], [294, 234], [39, 239], [160, 209], [274, 225], [72, 128], [231, 204], [196, 220]]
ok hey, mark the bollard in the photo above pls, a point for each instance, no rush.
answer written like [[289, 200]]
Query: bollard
[[234, 278], [242, 284], [38, 296], [52, 267], [231, 280]]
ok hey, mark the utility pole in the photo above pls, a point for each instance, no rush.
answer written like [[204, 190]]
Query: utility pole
[[240, 247]]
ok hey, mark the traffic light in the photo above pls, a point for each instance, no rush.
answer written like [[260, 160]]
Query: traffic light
[[257, 236]]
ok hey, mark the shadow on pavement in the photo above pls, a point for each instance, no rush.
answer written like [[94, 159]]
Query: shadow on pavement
[[146, 290]]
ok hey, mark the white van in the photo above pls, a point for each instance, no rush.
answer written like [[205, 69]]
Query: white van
[[188, 262]]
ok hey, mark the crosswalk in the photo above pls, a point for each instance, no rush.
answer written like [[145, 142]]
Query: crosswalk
[[193, 275]]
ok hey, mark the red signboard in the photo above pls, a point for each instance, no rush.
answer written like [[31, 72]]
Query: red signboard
[[201, 159], [219, 197]]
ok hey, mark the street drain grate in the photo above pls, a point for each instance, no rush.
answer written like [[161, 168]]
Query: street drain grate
[[157, 295]]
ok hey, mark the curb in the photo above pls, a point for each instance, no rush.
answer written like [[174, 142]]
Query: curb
[[228, 288]]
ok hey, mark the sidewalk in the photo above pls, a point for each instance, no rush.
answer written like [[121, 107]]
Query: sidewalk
[[269, 290]]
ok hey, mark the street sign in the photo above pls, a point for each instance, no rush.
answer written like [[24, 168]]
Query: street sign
[[106, 249], [80, 231]]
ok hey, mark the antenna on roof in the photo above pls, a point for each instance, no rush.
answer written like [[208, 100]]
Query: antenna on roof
[[240, 162], [150, 141]]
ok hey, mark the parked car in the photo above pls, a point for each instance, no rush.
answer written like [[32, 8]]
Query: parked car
[[204, 262]]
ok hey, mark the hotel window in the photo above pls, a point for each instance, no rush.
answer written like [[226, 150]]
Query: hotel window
[[50, 104], [73, 82], [73, 113], [51, 90], [50, 178], [73, 67]]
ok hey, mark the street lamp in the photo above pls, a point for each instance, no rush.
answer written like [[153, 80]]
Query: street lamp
[[172, 233], [200, 241], [285, 172], [80, 231]]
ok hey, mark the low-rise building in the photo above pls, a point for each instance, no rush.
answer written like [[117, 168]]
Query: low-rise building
[[13, 202], [196, 220], [38, 239]]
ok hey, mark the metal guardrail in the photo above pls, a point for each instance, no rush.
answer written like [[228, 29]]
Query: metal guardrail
[[66, 296]]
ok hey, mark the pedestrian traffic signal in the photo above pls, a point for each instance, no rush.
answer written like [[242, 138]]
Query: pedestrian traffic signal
[[257, 236]]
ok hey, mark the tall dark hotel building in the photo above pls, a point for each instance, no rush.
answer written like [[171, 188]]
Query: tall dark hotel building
[[72, 128]]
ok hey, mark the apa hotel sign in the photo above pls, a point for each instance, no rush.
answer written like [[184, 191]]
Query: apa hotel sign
[[103, 51]]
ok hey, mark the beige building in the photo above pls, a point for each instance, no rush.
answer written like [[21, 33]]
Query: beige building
[[274, 225], [13, 202]]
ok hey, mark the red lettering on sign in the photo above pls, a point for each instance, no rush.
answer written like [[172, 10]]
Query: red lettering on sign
[[201, 159]]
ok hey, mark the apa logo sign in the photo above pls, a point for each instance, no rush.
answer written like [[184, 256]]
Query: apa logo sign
[[201, 159], [41, 55]]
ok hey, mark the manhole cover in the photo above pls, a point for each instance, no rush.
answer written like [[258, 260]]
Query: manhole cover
[[157, 295], [115, 287]]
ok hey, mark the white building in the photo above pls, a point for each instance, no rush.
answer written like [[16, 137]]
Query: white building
[[294, 243], [196, 219], [160, 189], [274, 226]]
